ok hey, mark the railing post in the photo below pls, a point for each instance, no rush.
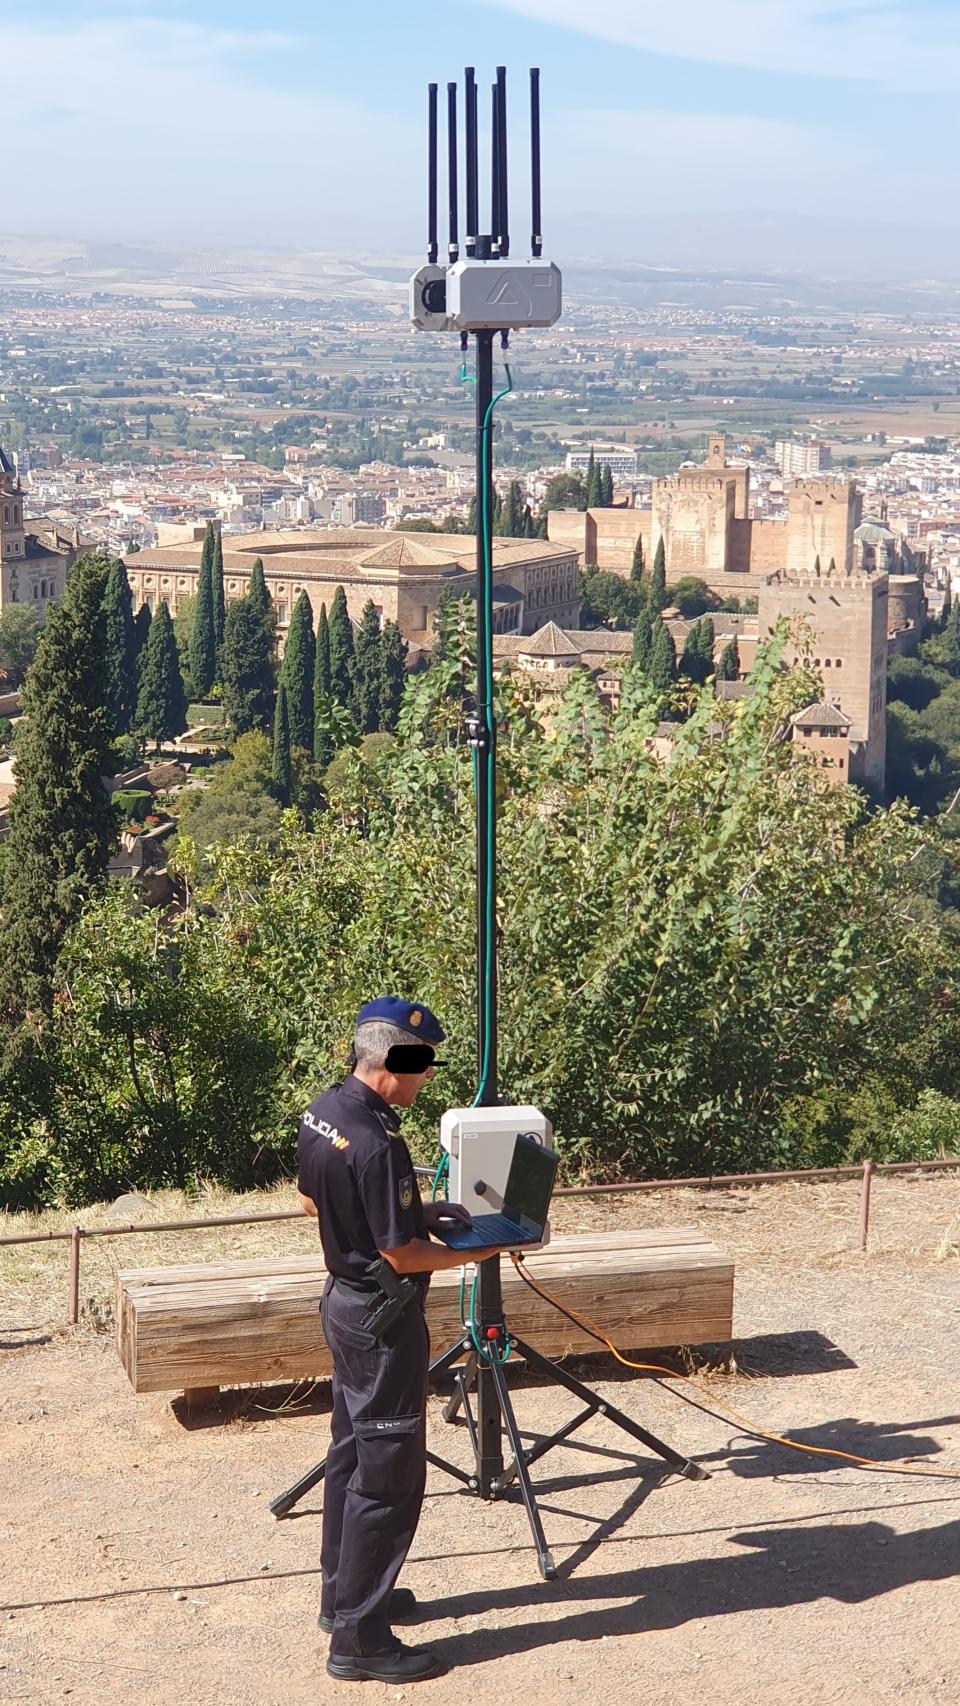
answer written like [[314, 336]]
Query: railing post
[[74, 1310], [868, 1169]]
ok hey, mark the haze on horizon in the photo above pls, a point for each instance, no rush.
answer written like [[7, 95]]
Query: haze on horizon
[[811, 135]]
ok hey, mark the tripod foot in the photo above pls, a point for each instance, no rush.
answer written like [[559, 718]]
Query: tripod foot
[[692, 1472], [548, 1568]]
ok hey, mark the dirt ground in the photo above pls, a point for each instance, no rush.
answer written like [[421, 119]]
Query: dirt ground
[[140, 1562]]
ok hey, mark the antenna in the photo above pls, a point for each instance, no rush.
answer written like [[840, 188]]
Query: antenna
[[536, 235], [432, 247], [495, 179], [453, 245], [502, 230], [473, 212]]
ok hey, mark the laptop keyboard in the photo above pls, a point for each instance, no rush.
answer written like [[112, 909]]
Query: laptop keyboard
[[487, 1229]]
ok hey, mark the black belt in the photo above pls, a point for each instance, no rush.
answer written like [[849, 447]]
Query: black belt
[[363, 1288]]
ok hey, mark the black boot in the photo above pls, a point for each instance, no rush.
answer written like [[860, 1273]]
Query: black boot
[[400, 1664], [401, 1608]]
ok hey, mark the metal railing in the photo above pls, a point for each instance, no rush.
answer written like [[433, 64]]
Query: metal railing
[[866, 1172]]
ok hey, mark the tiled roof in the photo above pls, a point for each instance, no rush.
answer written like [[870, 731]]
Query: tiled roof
[[822, 716], [550, 642]]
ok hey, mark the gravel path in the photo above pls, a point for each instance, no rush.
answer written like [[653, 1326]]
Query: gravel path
[[783, 1578]]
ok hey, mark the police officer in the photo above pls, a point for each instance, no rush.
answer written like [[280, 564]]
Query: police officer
[[357, 1178]]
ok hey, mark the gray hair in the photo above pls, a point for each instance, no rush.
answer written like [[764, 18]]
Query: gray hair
[[372, 1042]]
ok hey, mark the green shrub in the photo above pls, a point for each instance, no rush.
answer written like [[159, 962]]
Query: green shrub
[[132, 804]]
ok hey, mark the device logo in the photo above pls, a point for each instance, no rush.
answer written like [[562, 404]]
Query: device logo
[[506, 291]]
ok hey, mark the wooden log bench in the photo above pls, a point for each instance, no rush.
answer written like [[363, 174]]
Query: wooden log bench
[[196, 1328]]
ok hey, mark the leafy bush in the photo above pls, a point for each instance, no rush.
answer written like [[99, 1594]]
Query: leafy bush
[[132, 804]]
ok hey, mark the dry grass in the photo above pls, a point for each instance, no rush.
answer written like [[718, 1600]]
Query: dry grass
[[915, 1221]]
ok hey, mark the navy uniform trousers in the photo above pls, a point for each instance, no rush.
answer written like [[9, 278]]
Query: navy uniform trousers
[[375, 1467]]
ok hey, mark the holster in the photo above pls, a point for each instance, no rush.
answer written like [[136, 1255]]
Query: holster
[[395, 1295]]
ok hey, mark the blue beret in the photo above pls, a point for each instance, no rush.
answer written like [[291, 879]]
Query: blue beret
[[411, 1016]]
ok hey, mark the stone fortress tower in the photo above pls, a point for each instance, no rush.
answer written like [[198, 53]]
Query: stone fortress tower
[[33, 565], [847, 615]]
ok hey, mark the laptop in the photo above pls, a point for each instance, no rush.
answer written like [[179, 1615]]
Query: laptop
[[526, 1199]]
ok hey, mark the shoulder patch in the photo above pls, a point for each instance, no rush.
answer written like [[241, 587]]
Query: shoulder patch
[[405, 1192]]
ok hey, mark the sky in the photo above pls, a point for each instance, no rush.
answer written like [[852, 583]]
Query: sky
[[813, 135]]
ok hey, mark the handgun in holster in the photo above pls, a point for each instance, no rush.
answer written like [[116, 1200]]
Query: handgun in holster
[[396, 1295]]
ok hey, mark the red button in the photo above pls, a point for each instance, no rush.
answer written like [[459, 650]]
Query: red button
[[493, 1332]]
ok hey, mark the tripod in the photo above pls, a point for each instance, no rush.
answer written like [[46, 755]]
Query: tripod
[[484, 1370]]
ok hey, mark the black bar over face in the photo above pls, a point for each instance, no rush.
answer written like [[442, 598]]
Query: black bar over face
[[502, 231], [473, 208], [432, 173], [453, 244], [536, 235]]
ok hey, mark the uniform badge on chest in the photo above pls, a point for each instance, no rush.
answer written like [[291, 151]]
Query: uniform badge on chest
[[405, 1192]]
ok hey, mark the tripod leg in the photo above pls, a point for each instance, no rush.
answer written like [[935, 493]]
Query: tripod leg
[[548, 1568], [448, 1358], [683, 1465], [465, 1377], [283, 1505]]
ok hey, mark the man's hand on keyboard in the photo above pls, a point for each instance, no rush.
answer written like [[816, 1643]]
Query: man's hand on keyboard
[[434, 1212]]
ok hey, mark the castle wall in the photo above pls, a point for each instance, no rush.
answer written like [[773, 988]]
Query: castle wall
[[847, 616], [694, 512], [769, 546]]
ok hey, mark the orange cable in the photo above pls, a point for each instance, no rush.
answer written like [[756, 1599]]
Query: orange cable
[[897, 1466]]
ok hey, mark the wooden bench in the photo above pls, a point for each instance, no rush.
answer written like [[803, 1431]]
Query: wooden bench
[[197, 1328]]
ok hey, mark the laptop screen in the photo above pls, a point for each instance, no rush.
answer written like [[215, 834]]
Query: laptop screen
[[529, 1188]]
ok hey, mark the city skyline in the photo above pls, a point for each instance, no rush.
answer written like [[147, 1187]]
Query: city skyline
[[805, 133]]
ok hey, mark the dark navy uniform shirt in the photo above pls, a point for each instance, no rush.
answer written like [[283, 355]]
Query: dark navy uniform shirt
[[358, 1171]]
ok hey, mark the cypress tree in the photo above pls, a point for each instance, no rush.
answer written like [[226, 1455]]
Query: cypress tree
[[246, 666], [529, 526], [62, 825], [444, 624], [642, 641], [541, 532], [281, 749], [663, 658], [708, 641], [141, 634], [324, 744], [206, 552], [297, 674], [257, 589], [945, 611], [219, 597], [393, 658], [321, 673], [593, 482], [728, 666], [606, 486], [341, 650], [637, 566], [471, 524], [121, 665], [203, 639], [367, 671], [512, 517], [658, 579], [691, 662], [161, 701]]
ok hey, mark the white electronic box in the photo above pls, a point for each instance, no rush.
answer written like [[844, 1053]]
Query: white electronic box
[[480, 1143]]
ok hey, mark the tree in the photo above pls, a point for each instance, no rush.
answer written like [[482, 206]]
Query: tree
[[691, 661], [393, 659], [593, 483], [662, 668], [608, 600], [708, 640], [203, 639], [62, 825], [367, 671], [470, 525], [281, 748], [444, 618], [335, 728], [341, 650], [141, 634], [606, 487], [564, 491], [692, 596], [297, 674], [249, 770], [121, 675], [222, 819], [19, 637], [321, 676], [183, 634], [246, 668], [642, 641], [657, 595], [511, 519], [728, 666], [161, 702], [637, 565], [219, 597], [944, 609]]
